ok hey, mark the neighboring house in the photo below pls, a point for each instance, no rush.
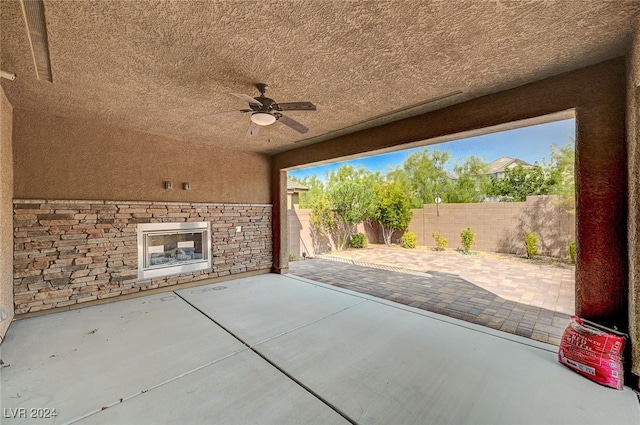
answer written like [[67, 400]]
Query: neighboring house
[[451, 175], [498, 167], [294, 189]]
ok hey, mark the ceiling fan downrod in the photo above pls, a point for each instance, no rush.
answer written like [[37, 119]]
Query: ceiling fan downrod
[[262, 88]]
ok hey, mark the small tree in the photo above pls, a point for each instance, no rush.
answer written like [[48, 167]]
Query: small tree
[[424, 175], [441, 242], [316, 191], [350, 194], [563, 167], [471, 181], [530, 245], [519, 182], [392, 209], [468, 238], [321, 220]]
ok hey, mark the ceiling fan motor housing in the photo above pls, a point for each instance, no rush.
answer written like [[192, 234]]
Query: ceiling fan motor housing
[[268, 104]]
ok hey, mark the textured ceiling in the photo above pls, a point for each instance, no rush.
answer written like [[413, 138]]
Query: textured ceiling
[[161, 66]]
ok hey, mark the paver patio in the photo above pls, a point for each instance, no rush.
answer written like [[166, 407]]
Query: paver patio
[[529, 299]]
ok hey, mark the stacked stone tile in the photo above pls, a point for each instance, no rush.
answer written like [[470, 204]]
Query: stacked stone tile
[[70, 252]]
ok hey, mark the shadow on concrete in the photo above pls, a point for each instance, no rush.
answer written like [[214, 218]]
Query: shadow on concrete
[[443, 293]]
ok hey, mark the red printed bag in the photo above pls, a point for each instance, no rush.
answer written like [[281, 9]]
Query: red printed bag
[[593, 353]]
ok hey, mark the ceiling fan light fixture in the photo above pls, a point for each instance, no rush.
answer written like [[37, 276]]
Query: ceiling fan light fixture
[[263, 118]]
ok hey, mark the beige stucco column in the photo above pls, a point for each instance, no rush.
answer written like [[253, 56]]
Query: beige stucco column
[[633, 152], [6, 211], [279, 201]]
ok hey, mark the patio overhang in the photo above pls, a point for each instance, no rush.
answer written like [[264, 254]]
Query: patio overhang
[[86, 157]]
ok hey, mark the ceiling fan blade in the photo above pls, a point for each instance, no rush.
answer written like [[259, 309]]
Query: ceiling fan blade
[[291, 123], [247, 98], [296, 106], [223, 113], [253, 129]]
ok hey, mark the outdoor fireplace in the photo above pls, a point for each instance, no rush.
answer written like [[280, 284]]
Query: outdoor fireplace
[[173, 248]]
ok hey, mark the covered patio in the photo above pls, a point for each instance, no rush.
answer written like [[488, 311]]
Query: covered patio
[[274, 349], [120, 120]]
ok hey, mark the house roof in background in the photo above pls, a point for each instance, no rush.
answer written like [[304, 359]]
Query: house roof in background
[[501, 164], [295, 187]]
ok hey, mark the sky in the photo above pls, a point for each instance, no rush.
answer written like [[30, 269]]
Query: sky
[[529, 144]]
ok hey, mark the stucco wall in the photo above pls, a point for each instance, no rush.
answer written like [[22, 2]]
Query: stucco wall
[[61, 158], [633, 139], [6, 211], [119, 177]]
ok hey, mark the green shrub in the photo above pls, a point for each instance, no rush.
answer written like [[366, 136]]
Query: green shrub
[[359, 240], [530, 242], [441, 242], [572, 252], [409, 240], [468, 238]]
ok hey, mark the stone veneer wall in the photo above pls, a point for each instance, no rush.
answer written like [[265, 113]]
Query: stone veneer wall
[[71, 252]]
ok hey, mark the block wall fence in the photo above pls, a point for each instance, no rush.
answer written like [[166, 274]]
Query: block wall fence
[[499, 227], [71, 252]]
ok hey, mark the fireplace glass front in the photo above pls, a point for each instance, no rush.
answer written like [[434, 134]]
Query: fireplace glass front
[[172, 248], [165, 250]]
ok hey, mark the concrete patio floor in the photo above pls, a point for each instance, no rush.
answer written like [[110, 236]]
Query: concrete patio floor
[[279, 349]]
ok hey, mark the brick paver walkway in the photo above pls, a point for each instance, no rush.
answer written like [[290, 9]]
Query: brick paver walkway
[[527, 299]]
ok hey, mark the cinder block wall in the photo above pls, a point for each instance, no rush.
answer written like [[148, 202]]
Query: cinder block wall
[[72, 252], [303, 239], [500, 226], [300, 238]]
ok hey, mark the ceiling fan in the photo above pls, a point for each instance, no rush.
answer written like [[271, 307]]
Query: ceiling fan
[[265, 111]]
